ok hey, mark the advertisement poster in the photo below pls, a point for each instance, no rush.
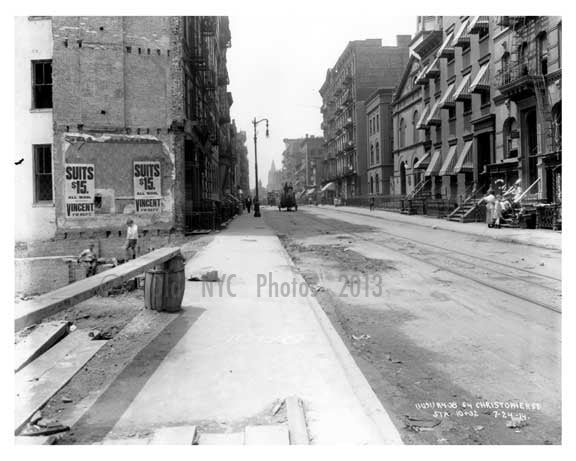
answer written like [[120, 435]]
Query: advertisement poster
[[79, 190], [147, 187]]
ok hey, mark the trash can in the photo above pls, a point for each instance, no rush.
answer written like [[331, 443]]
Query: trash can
[[174, 284], [154, 289]]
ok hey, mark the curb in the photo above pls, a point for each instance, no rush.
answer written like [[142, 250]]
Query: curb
[[358, 382], [429, 226]]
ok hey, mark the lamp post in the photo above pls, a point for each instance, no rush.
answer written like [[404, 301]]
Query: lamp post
[[257, 199]]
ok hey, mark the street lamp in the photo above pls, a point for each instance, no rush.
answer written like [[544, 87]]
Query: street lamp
[[257, 199]]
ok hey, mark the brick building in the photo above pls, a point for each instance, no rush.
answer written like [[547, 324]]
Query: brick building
[[301, 161], [362, 68], [528, 110], [479, 101], [380, 162], [134, 116]]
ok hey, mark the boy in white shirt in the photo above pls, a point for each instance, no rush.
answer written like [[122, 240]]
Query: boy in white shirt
[[131, 239]]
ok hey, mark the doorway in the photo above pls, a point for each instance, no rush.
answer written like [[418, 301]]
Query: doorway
[[402, 179], [531, 145]]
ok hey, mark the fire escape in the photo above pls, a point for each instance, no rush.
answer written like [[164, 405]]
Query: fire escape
[[523, 76]]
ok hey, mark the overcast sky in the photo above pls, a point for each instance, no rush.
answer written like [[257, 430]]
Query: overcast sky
[[277, 65]]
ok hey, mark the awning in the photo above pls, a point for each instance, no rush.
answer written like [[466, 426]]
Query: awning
[[421, 125], [433, 69], [421, 78], [434, 166], [462, 93], [447, 101], [478, 24], [300, 194], [465, 162], [434, 117], [482, 81], [329, 186], [461, 38], [446, 51], [449, 162], [423, 162], [311, 191]]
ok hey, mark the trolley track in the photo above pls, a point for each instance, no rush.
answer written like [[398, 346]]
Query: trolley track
[[435, 254]]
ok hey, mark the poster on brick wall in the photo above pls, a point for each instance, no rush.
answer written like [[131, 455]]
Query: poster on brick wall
[[79, 189], [147, 187]]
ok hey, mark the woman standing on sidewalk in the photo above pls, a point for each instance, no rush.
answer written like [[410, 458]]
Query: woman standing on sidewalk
[[490, 200]]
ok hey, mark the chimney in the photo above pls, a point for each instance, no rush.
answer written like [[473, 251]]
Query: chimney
[[403, 41]]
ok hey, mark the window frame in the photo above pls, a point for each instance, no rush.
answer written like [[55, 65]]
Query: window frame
[[34, 85], [36, 174]]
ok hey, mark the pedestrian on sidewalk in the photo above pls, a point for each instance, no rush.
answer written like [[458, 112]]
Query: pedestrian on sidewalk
[[498, 209], [131, 239], [371, 203], [248, 203], [89, 257], [490, 201]]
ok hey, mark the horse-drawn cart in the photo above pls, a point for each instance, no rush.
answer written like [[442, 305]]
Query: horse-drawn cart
[[288, 200]]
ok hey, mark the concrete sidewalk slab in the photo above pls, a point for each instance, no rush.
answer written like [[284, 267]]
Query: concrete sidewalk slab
[[542, 238], [252, 346]]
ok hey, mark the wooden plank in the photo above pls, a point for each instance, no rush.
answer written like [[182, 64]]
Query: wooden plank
[[176, 435], [38, 382], [36, 440], [296, 421], [33, 311], [39, 341], [226, 438], [276, 434]]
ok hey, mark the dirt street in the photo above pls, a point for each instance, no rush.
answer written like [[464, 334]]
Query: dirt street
[[458, 335]]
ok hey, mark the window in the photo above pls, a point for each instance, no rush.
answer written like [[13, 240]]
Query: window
[[402, 133], [371, 185], [414, 129], [377, 152], [543, 54], [510, 135], [371, 154], [42, 84], [377, 122], [377, 183], [42, 173]]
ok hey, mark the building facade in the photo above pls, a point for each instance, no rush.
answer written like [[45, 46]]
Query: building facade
[[35, 216], [380, 163], [488, 109], [528, 109], [139, 117], [363, 67]]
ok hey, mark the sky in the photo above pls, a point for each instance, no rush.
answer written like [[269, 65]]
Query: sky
[[277, 64]]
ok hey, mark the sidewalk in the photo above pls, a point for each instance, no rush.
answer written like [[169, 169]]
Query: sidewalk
[[542, 238], [242, 351]]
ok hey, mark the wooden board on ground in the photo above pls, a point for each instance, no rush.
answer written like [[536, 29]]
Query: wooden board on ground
[[296, 421], [42, 338], [226, 438], [33, 311], [39, 381], [35, 440], [276, 434], [177, 435]]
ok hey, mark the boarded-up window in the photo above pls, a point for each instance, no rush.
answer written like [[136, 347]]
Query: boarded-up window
[[43, 173], [42, 84]]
